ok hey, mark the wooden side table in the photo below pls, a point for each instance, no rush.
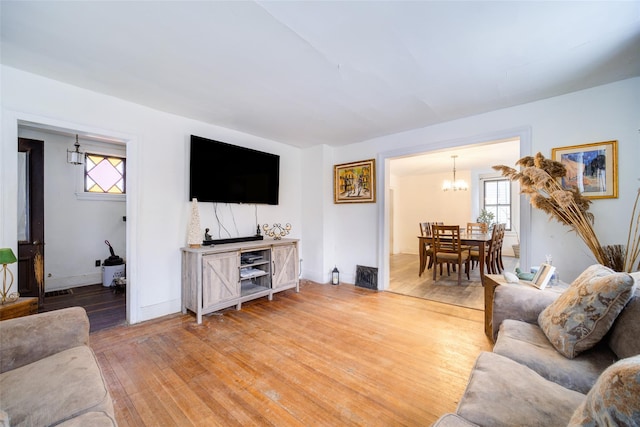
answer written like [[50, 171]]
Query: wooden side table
[[491, 282], [23, 306]]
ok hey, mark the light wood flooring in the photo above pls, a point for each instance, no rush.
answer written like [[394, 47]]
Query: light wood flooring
[[327, 356], [404, 279]]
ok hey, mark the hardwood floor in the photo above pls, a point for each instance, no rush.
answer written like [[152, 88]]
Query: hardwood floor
[[104, 307], [404, 279], [327, 356]]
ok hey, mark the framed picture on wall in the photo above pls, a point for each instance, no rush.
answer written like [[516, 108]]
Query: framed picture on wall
[[355, 182], [592, 168]]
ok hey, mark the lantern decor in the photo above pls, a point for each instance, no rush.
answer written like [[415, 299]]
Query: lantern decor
[[335, 276], [7, 257]]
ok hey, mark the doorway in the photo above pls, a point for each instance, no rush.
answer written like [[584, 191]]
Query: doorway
[[444, 149], [77, 223], [31, 219]]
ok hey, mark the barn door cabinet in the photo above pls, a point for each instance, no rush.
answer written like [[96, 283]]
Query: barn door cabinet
[[221, 276]]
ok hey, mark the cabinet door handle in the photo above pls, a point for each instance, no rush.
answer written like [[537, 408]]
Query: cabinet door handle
[[273, 269]]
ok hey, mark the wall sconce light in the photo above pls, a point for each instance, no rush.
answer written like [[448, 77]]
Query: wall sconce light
[[7, 257], [335, 276], [75, 157]]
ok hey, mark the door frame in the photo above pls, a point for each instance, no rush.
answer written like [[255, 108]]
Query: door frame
[[29, 269], [384, 205], [11, 121]]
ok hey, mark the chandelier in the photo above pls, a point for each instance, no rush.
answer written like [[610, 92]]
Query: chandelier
[[454, 185]]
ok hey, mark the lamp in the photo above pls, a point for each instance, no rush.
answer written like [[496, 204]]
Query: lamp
[[454, 185], [75, 157], [335, 276], [7, 257]]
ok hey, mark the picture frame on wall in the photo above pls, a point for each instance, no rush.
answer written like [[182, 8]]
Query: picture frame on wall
[[355, 182], [592, 168]]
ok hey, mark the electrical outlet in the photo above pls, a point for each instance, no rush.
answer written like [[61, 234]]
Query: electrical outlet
[[97, 263]]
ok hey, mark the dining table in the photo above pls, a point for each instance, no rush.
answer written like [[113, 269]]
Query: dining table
[[480, 240]]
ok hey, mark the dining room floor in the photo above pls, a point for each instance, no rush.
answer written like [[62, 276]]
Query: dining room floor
[[404, 279]]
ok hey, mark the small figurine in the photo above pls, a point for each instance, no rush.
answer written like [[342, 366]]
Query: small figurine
[[524, 276], [207, 236]]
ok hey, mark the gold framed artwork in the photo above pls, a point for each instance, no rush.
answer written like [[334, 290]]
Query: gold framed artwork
[[355, 182], [592, 168]]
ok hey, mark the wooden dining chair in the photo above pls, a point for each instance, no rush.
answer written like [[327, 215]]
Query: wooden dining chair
[[497, 249], [475, 251], [426, 231], [477, 227], [447, 249], [493, 254]]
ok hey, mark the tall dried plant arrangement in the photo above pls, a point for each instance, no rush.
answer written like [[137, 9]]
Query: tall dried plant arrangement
[[538, 179]]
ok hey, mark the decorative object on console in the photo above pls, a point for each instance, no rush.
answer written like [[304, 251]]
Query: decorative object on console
[[355, 182], [510, 277], [542, 276], [538, 178], [7, 257], [194, 239], [277, 231], [591, 168]]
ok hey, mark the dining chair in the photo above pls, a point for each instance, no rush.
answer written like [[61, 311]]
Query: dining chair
[[497, 250], [425, 231], [493, 253], [488, 250], [447, 249], [477, 227]]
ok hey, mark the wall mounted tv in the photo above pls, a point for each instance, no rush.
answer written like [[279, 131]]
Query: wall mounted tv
[[221, 172]]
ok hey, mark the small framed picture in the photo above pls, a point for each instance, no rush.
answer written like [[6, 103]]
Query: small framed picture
[[355, 182], [543, 275], [591, 168]]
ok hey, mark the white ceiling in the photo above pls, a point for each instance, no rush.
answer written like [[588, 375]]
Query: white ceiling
[[306, 73]]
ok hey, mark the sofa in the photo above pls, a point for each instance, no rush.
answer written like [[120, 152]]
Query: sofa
[[559, 359], [48, 373]]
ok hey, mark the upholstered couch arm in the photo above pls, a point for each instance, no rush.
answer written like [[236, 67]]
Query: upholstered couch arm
[[28, 339], [518, 302]]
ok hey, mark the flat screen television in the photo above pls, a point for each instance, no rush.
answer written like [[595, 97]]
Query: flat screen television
[[221, 172]]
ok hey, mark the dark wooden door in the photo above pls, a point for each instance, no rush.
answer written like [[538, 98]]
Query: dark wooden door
[[31, 219]]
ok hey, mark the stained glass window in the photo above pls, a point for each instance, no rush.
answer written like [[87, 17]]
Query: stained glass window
[[104, 174]]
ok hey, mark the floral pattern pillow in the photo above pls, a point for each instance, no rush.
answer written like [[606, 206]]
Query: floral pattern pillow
[[613, 400], [583, 314]]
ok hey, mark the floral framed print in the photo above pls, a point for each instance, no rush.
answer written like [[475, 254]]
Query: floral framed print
[[355, 182], [592, 168]]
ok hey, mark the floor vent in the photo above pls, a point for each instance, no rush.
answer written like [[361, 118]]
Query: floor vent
[[367, 277], [58, 293]]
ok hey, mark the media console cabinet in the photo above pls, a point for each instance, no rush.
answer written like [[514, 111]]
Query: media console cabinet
[[221, 276]]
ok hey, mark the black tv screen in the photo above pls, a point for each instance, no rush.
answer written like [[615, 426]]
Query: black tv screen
[[221, 172]]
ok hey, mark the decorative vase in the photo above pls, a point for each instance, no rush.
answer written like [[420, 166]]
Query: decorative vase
[[194, 239]]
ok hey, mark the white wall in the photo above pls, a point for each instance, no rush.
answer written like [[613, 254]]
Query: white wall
[[598, 114], [420, 198], [157, 172], [75, 229]]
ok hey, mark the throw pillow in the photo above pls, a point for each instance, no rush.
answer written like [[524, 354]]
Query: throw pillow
[[613, 400], [583, 314]]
